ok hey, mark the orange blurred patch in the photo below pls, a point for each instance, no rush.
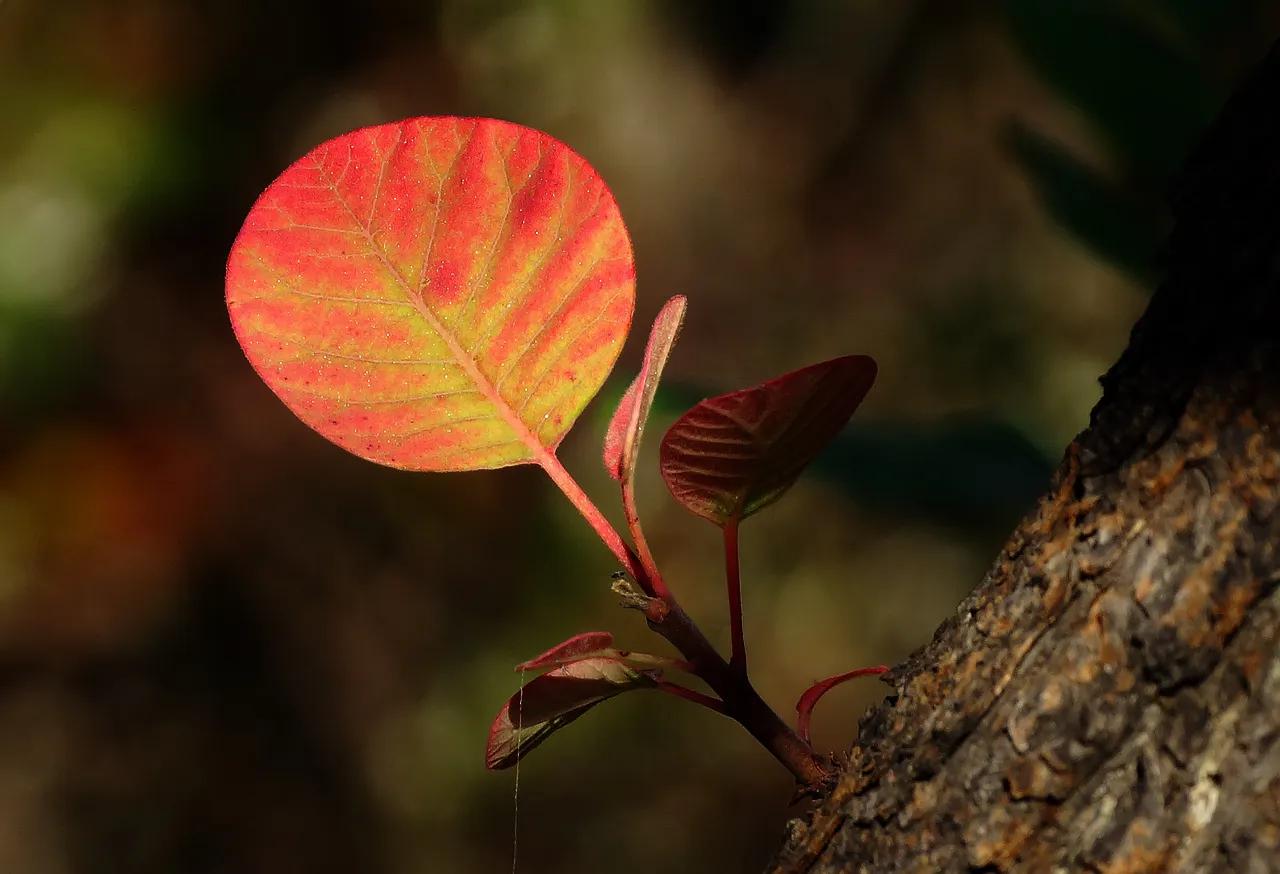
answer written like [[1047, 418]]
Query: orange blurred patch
[[100, 527]]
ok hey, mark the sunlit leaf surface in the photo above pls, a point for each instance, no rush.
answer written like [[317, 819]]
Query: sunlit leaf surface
[[435, 294]]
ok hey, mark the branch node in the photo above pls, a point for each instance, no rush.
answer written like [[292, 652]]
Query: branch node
[[655, 610]]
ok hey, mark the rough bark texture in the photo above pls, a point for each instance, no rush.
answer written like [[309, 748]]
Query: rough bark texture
[[1108, 699]]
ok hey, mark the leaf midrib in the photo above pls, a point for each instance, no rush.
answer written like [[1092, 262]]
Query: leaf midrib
[[541, 454]]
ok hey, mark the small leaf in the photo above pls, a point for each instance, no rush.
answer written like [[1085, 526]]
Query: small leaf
[[552, 701], [811, 696], [435, 294], [622, 439], [575, 648], [616, 434], [598, 644], [734, 454]]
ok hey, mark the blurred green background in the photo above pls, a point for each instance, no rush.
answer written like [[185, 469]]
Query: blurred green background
[[225, 646]]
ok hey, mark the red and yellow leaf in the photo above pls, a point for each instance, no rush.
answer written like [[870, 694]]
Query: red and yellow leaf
[[437, 293], [622, 440], [734, 454], [553, 700], [576, 648], [598, 645]]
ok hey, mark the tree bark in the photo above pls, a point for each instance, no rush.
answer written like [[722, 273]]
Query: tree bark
[[1108, 698]]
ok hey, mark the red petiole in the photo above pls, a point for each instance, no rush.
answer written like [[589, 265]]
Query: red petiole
[[733, 582], [641, 542], [738, 698], [811, 696], [690, 695]]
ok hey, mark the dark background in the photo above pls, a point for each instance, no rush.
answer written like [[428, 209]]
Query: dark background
[[225, 646]]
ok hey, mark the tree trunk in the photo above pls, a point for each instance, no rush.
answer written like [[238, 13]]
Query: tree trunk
[[1108, 699]]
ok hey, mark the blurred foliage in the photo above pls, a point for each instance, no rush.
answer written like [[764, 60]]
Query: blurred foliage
[[1129, 68], [975, 475], [70, 164], [1146, 76], [227, 646], [1119, 225]]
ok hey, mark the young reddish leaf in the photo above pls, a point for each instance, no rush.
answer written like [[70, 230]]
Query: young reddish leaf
[[575, 648], [435, 294], [622, 440], [616, 434], [552, 701], [597, 644], [734, 454], [811, 696]]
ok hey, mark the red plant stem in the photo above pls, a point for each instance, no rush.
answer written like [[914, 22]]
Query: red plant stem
[[690, 695], [641, 542], [741, 701], [605, 531], [738, 658], [738, 697], [811, 696]]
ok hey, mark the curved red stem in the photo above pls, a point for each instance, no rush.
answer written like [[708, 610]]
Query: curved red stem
[[733, 582], [811, 696], [690, 695]]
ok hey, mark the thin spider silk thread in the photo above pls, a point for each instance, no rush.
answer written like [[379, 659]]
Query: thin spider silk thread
[[515, 796]]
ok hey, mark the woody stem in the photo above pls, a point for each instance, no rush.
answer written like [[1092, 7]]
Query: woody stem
[[740, 700]]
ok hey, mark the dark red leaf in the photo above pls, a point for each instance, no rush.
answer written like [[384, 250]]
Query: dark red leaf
[[553, 700], [734, 454]]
